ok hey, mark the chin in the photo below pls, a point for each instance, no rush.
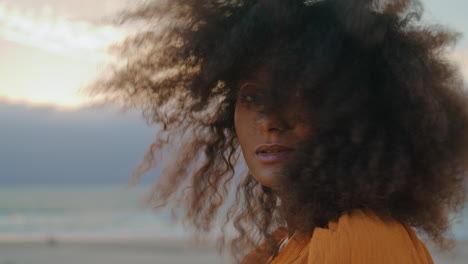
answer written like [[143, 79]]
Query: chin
[[269, 180]]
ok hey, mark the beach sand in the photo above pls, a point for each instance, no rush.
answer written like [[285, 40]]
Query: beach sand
[[141, 251], [458, 256], [109, 251]]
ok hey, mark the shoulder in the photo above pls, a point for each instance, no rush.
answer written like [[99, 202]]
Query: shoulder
[[260, 255], [359, 224], [363, 237]]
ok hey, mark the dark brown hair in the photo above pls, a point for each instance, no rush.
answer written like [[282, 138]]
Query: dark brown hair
[[389, 111]]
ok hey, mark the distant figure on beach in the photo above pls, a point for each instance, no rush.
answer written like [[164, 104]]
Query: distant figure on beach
[[350, 118]]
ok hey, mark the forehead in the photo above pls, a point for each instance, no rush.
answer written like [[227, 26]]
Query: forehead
[[260, 77], [275, 75], [283, 71], [263, 84]]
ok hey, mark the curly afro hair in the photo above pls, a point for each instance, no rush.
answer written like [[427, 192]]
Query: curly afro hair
[[388, 108]]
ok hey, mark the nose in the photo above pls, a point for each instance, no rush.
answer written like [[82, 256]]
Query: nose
[[272, 124]]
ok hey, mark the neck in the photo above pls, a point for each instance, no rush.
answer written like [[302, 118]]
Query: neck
[[291, 213], [292, 224]]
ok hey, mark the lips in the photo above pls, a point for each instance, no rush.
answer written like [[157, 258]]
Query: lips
[[272, 153]]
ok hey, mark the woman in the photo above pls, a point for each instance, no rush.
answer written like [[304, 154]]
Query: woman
[[351, 121]]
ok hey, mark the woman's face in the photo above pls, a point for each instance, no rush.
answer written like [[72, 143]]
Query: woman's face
[[268, 139]]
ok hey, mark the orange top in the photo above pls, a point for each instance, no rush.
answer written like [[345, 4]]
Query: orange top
[[359, 238]]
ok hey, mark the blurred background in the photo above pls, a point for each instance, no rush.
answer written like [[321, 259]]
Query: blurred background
[[65, 163]]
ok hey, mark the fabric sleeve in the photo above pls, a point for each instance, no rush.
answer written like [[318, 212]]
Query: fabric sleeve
[[362, 240]]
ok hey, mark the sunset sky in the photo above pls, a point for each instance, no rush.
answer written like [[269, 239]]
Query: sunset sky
[[51, 48]]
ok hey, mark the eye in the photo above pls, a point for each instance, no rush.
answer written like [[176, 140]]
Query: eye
[[248, 98], [250, 94]]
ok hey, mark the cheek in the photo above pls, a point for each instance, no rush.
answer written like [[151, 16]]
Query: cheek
[[236, 115], [244, 130], [236, 121], [242, 119], [303, 131], [303, 123]]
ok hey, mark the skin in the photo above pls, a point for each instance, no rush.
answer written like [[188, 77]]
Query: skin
[[255, 127]]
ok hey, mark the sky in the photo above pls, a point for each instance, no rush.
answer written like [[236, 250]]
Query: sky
[[49, 49], [42, 145]]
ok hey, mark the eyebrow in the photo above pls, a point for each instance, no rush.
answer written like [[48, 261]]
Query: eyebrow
[[251, 84]]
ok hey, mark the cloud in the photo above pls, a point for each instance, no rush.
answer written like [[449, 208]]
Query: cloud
[[91, 145], [56, 55], [461, 58], [47, 30]]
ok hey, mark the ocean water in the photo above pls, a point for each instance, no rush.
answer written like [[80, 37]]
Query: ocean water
[[96, 210], [81, 210]]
